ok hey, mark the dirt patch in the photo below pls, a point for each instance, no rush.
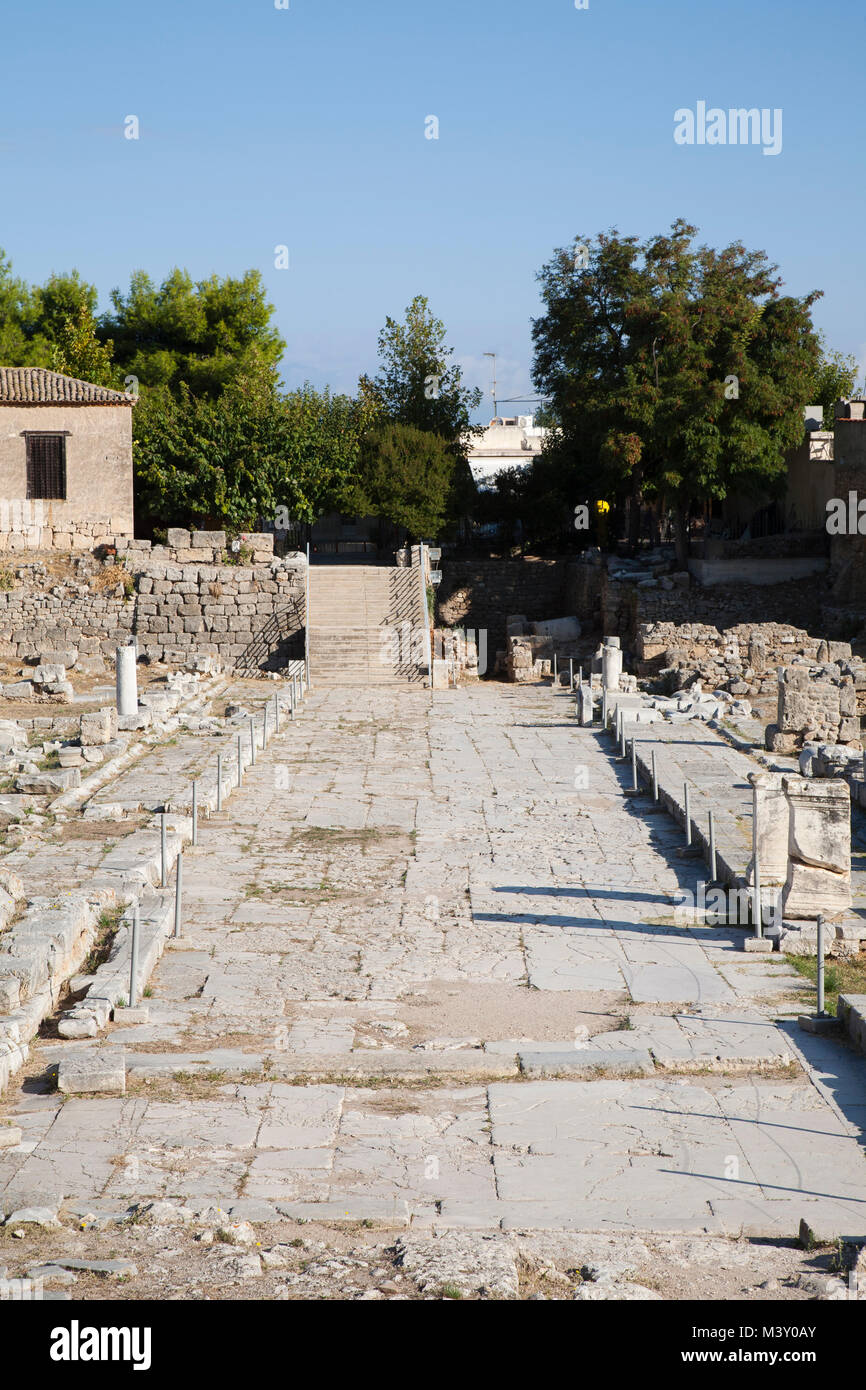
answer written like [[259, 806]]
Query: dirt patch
[[490, 1012]]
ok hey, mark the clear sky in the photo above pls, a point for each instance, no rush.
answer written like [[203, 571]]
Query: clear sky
[[305, 126]]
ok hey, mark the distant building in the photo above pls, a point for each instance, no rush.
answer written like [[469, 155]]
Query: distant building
[[508, 442], [65, 461]]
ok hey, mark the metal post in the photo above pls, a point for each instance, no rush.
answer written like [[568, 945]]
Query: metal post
[[756, 911], [571, 673], [195, 811], [604, 709], [655, 778], [634, 764], [579, 676], [820, 963], [133, 962], [178, 890], [555, 677], [276, 714], [688, 812], [292, 698], [162, 852], [425, 613], [240, 762], [252, 743], [712, 848], [219, 781], [265, 727], [622, 736]]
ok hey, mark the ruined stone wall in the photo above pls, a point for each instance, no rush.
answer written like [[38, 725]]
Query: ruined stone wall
[[743, 659], [605, 601], [818, 705], [179, 601], [480, 594]]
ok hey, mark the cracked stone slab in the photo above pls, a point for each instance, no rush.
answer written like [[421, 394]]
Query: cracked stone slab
[[587, 1061]]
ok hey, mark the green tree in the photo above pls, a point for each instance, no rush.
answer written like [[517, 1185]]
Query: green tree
[[52, 325], [76, 350], [204, 334], [405, 476], [16, 313], [417, 384], [229, 460], [678, 372], [835, 378]]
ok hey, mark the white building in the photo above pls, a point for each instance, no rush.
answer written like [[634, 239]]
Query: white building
[[508, 442]]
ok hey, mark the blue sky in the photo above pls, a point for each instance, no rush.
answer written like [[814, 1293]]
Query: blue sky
[[306, 127]]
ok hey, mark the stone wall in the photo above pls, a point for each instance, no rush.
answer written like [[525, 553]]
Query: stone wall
[[480, 594], [606, 598], [178, 601], [743, 659], [818, 705]]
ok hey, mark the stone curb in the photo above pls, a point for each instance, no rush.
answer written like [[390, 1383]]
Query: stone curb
[[44, 955]]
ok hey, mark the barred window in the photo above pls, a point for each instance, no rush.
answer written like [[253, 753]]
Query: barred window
[[46, 465]]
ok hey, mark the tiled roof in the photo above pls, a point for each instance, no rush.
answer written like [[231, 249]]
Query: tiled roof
[[37, 386]]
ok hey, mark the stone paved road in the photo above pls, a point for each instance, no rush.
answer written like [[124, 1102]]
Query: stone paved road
[[430, 972]]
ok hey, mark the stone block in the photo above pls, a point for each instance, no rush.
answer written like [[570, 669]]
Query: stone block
[[19, 690], [851, 1011], [820, 823], [177, 538], [49, 783], [67, 657], [559, 629], [584, 704], [131, 1017], [12, 737], [770, 813], [98, 727], [46, 672], [87, 1073], [72, 1025]]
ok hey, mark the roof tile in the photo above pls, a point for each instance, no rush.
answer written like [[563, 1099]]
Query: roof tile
[[38, 386]]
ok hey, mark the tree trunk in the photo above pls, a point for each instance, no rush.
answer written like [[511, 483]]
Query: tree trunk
[[634, 512]]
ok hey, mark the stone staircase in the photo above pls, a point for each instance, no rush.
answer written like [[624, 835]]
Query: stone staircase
[[366, 625]]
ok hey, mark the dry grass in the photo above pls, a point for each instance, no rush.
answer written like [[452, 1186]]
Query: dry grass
[[112, 577], [841, 976]]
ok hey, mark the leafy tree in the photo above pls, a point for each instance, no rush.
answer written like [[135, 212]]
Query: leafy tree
[[405, 476], [417, 385], [203, 334], [52, 325], [16, 312], [678, 373], [76, 350], [62, 300], [227, 461], [835, 378]]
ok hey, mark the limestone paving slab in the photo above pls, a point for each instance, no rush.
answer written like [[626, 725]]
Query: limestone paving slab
[[312, 903]]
